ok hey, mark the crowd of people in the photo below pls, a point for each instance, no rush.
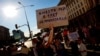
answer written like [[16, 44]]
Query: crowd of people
[[55, 42]]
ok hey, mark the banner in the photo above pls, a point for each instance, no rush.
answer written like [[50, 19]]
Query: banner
[[54, 15]]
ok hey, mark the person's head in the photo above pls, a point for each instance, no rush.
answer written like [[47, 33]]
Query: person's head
[[44, 34], [57, 42], [79, 41]]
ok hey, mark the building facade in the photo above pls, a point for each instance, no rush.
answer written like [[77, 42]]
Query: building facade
[[82, 12], [4, 36], [4, 33]]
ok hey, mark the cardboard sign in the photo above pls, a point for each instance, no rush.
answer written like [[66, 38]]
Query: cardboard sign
[[73, 36], [54, 15]]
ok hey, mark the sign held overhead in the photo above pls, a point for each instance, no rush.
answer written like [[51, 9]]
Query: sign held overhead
[[53, 15]]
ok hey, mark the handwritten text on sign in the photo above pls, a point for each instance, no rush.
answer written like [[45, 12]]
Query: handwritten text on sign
[[55, 15]]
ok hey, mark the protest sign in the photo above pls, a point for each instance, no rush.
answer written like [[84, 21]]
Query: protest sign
[[53, 15], [73, 36]]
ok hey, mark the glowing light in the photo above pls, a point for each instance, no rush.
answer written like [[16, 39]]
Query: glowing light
[[10, 11], [28, 43]]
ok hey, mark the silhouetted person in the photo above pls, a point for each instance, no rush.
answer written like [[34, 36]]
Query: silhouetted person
[[75, 50]]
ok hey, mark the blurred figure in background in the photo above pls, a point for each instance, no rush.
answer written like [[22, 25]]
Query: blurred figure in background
[[74, 48], [14, 51], [82, 48]]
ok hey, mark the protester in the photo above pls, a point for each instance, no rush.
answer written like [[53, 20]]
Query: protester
[[74, 48], [14, 51], [82, 48], [48, 51]]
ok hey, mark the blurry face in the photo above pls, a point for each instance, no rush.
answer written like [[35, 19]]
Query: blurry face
[[62, 34], [79, 41], [46, 38], [89, 26], [57, 42]]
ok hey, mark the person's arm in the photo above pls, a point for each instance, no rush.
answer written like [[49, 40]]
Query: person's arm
[[50, 36]]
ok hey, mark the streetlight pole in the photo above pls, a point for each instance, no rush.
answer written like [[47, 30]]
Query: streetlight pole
[[30, 35]]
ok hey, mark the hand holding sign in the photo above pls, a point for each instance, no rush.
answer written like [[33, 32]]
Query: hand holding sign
[[50, 36]]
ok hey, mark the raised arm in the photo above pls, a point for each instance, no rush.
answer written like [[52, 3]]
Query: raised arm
[[50, 36]]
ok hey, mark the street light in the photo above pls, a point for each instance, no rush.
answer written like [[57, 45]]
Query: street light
[[30, 35]]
